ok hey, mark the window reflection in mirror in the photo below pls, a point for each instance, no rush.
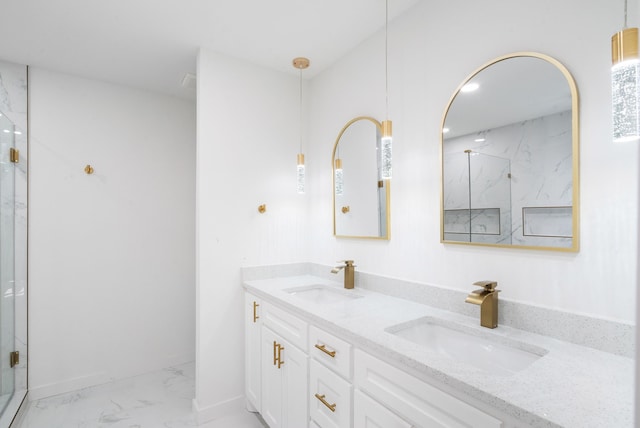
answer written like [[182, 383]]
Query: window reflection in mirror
[[510, 156], [360, 197]]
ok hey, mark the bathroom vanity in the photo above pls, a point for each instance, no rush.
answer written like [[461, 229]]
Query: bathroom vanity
[[318, 355]]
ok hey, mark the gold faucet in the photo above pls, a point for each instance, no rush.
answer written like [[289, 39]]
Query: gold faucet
[[487, 298], [349, 272]]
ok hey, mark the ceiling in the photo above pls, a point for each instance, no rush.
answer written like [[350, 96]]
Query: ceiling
[[151, 44]]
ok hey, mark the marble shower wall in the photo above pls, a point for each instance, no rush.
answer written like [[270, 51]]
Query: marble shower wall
[[13, 105], [539, 153]]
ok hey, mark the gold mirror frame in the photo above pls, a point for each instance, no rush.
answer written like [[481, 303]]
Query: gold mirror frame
[[575, 147], [386, 183]]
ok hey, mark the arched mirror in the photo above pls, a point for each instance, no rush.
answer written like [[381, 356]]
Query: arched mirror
[[360, 197], [509, 155]]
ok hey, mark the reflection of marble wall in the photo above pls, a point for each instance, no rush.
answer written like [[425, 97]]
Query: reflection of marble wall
[[477, 209], [540, 152], [13, 104]]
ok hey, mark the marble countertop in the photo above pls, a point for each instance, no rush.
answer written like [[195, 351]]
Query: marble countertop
[[570, 386]]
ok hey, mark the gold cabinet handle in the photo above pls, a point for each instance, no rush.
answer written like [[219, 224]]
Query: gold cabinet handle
[[280, 362], [275, 357], [323, 348], [331, 407], [255, 311], [277, 354]]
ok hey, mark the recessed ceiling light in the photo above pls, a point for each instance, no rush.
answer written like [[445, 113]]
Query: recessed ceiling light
[[17, 132], [6, 131], [469, 87], [445, 130], [479, 140]]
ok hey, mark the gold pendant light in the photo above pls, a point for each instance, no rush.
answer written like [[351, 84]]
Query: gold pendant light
[[301, 64]]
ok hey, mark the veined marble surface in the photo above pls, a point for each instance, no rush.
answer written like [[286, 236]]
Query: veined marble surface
[[570, 386], [153, 400], [513, 167]]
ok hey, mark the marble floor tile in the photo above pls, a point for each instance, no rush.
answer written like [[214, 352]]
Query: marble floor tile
[[155, 400]]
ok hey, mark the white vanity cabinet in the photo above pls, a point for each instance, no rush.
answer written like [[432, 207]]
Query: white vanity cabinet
[[299, 375], [284, 369], [253, 328]]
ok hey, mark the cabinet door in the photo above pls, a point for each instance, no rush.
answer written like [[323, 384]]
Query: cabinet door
[[253, 324], [284, 382], [271, 388], [368, 413], [295, 382]]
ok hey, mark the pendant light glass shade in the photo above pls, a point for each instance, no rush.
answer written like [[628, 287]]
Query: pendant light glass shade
[[301, 173], [386, 155], [625, 85], [339, 178]]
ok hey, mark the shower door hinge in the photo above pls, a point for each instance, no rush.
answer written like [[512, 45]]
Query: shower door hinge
[[14, 358], [14, 155]]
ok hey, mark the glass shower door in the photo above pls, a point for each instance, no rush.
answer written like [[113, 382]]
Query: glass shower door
[[7, 260]]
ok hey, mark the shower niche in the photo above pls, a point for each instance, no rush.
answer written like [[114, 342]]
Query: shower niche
[[478, 204]]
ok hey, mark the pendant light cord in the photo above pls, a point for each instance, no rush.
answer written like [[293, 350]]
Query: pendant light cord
[[300, 110], [625, 13], [386, 57]]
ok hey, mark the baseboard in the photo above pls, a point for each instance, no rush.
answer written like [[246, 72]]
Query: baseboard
[[49, 390], [218, 410], [81, 382]]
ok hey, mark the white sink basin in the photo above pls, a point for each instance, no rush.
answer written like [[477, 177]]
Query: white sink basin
[[322, 294], [495, 354]]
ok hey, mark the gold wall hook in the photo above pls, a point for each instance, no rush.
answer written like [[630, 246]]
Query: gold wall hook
[[262, 208], [88, 169], [346, 209]]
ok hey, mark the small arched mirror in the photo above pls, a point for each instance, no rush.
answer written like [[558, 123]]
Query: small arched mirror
[[510, 156], [360, 197]]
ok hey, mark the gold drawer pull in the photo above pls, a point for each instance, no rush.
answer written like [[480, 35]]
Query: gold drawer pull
[[331, 407], [323, 348]]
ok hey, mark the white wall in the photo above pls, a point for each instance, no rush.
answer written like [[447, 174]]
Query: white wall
[[111, 255], [246, 152], [248, 138], [432, 49]]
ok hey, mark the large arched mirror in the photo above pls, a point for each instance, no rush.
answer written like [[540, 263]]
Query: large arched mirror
[[509, 156], [360, 197]]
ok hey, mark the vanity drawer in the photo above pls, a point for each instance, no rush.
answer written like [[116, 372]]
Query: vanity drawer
[[417, 401], [332, 352], [329, 397], [368, 413], [289, 327]]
